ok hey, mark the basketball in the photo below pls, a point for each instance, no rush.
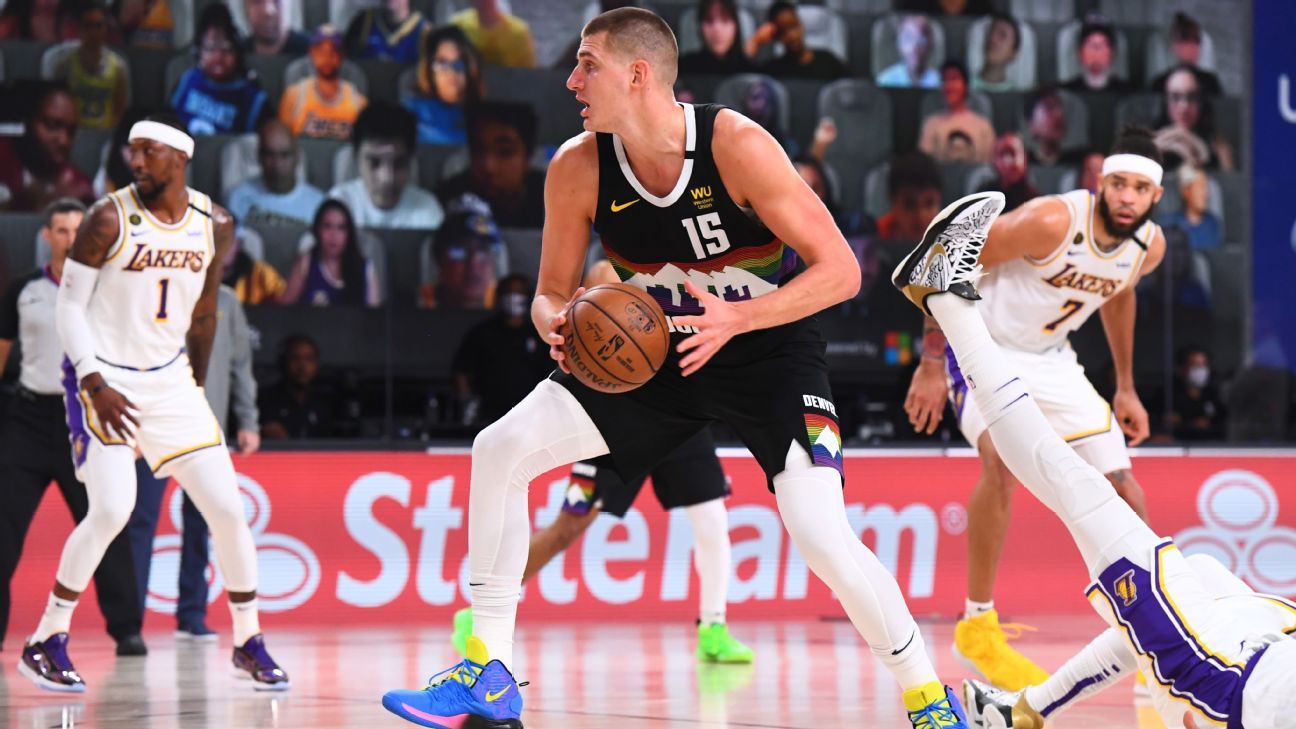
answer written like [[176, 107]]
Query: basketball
[[616, 338]]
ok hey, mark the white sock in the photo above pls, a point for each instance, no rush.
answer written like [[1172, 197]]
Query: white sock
[[813, 508], [56, 619], [711, 557], [1104, 527], [1098, 665], [972, 608], [247, 622]]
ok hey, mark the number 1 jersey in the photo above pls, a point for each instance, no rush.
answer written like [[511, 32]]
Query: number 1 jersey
[[150, 281]]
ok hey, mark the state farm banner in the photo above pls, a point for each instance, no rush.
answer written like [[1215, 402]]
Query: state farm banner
[[376, 537]]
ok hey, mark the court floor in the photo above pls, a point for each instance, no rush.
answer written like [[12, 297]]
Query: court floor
[[628, 676]]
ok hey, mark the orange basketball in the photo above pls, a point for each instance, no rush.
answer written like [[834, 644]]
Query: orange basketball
[[616, 338]]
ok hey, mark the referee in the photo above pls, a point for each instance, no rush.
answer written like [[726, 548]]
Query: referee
[[34, 444]]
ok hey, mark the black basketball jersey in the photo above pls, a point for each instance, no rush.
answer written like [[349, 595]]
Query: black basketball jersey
[[697, 232]]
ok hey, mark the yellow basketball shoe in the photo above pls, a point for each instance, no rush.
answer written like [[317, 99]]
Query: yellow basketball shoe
[[981, 644]]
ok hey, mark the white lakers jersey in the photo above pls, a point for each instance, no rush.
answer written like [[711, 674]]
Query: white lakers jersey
[[1032, 305], [150, 281]]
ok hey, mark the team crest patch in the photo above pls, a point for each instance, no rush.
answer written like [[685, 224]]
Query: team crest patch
[[1126, 589], [135, 219], [825, 441]]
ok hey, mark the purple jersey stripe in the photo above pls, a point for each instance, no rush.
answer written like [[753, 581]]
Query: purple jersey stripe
[[77, 435], [958, 385], [1080, 686]]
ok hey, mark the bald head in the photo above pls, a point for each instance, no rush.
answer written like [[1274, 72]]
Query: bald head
[[277, 154], [635, 33]]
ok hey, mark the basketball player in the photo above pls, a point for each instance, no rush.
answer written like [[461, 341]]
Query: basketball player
[[700, 207], [1051, 264], [1222, 662], [136, 313], [691, 479]]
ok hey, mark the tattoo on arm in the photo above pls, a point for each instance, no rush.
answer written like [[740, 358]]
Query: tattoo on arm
[[933, 340], [202, 328], [97, 234], [1119, 476]]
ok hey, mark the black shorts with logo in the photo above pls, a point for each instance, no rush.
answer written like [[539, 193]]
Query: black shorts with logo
[[771, 389], [690, 475]]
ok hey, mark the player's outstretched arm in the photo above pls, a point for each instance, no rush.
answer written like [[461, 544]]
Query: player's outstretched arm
[[1118, 315], [202, 327], [571, 194], [99, 231]]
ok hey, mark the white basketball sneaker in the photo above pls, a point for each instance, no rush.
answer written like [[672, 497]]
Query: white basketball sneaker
[[946, 259]]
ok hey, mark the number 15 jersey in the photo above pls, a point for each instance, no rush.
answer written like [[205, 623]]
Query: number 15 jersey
[[695, 233], [150, 281]]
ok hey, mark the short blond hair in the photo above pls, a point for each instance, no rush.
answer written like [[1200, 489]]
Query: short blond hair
[[639, 33]]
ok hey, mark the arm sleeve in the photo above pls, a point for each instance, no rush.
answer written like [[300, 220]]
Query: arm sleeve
[[9, 310], [243, 393], [75, 290]]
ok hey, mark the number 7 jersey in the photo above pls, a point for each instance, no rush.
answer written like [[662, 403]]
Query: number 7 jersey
[[1032, 305], [150, 282]]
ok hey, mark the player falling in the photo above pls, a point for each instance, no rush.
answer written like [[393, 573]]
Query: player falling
[[136, 315], [1051, 264], [701, 208], [1210, 662]]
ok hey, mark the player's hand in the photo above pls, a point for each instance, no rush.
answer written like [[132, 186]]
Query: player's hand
[[114, 410], [249, 442], [925, 403], [1131, 415], [1189, 721], [557, 323], [719, 321]]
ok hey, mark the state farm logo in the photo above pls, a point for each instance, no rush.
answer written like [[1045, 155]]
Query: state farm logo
[[1239, 513], [288, 572]]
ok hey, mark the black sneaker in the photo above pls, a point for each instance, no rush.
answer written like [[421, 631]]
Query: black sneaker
[[131, 645]]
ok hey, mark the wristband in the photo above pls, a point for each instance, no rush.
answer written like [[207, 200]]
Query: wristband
[[96, 390]]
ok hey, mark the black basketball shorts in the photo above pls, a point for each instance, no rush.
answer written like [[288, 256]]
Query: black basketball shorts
[[690, 475]]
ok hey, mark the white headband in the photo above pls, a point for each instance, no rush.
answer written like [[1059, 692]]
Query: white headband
[[159, 132], [1134, 163]]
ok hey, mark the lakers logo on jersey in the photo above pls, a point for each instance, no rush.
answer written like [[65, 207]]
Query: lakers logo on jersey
[[145, 257], [1126, 589], [1071, 278]]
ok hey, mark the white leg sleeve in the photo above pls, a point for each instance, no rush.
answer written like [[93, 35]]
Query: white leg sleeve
[[813, 508], [109, 474], [1103, 526], [1098, 665], [711, 557], [208, 478], [546, 430]]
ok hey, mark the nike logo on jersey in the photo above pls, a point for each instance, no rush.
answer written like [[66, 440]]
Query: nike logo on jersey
[[490, 697], [1075, 253], [144, 258], [139, 232], [618, 208]]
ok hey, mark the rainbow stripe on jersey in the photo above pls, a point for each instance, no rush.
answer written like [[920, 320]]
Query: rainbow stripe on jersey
[[740, 275]]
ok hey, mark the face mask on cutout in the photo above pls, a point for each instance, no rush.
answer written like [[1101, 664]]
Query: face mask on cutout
[[1198, 376], [514, 304]]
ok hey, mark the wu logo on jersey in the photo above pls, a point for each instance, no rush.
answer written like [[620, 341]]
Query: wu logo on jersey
[[1126, 589], [702, 199]]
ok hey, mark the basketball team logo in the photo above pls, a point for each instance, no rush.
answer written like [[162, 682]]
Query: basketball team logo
[[288, 570], [1239, 513]]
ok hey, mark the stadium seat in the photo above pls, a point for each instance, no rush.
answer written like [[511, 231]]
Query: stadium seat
[[544, 89], [1145, 12], [1043, 11], [883, 47], [17, 231], [320, 155], [863, 117], [270, 74], [301, 68], [1142, 109], [1158, 57], [184, 20], [1022, 71], [182, 61], [250, 242], [22, 58], [1068, 41], [293, 10], [280, 244], [401, 253], [340, 12], [1048, 179], [523, 251], [732, 92], [407, 84], [689, 35], [88, 149], [979, 101], [870, 7], [824, 29], [2, 68], [239, 163], [1077, 115]]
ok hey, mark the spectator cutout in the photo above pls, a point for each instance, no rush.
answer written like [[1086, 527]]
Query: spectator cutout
[[1097, 54], [1195, 218], [219, 95], [46, 21], [1010, 168], [722, 51], [1002, 44], [469, 255], [323, 105], [333, 271], [391, 32], [501, 140], [95, 75], [269, 33], [1046, 129], [501, 38], [798, 60], [1186, 48], [146, 24], [1186, 129], [385, 196], [36, 168], [276, 196], [449, 80], [914, 187], [254, 282], [501, 359], [115, 172], [956, 134], [914, 45]]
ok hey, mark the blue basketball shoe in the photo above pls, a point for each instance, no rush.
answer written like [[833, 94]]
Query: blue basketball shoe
[[476, 694], [934, 707]]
